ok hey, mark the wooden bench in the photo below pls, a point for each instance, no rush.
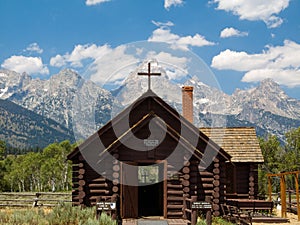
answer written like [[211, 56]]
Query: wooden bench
[[234, 215], [252, 205]]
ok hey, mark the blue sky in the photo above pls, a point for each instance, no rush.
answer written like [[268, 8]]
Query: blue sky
[[242, 42]]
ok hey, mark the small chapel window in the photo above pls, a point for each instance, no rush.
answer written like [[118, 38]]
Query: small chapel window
[[148, 174]]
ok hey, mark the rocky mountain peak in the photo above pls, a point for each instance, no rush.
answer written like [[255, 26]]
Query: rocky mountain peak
[[269, 86], [66, 77], [11, 82]]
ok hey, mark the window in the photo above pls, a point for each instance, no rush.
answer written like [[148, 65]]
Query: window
[[148, 174]]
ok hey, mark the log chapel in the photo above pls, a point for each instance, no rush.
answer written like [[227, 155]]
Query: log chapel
[[150, 158]]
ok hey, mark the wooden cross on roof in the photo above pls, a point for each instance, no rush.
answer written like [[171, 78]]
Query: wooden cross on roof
[[149, 74]]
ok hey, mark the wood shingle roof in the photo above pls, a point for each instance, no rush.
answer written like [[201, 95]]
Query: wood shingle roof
[[240, 142]]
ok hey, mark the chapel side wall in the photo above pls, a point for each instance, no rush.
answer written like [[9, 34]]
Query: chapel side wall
[[174, 193], [88, 186]]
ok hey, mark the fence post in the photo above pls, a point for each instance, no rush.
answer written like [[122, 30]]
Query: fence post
[[297, 195], [208, 212], [36, 199], [184, 207], [283, 196], [194, 211]]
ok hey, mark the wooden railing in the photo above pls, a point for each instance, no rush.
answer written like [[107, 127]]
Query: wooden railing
[[192, 207], [47, 199], [188, 213]]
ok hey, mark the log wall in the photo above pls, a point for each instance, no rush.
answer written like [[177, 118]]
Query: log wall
[[205, 183]]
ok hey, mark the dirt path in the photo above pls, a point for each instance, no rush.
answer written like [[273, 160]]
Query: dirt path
[[291, 216]]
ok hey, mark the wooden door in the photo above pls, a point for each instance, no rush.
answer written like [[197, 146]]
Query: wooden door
[[129, 193]]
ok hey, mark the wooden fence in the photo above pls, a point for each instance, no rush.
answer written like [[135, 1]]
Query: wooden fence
[[46, 199], [191, 208]]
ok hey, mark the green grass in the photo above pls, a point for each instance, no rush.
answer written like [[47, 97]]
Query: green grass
[[215, 221], [61, 215]]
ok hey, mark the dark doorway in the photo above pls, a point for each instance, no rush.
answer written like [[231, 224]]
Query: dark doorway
[[150, 190]]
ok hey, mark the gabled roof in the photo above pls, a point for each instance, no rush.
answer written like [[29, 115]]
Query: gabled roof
[[240, 142], [169, 117]]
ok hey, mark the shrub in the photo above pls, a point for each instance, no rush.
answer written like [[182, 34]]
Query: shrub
[[63, 214]]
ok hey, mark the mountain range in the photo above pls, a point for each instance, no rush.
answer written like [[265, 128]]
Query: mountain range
[[66, 105]]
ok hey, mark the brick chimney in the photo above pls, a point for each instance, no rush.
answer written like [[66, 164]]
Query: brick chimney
[[187, 103]]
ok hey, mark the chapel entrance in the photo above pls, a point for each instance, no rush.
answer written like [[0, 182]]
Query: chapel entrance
[[146, 198], [150, 190]]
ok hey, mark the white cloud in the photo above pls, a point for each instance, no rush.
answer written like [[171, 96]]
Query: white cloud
[[255, 10], [232, 32], [34, 47], [107, 69], [288, 77], [162, 24], [175, 67], [95, 2], [281, 63], [163, 34], [169, 3], [80, 53], [30, 65]]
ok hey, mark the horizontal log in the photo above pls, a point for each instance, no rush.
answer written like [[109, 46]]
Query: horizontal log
[[174, 186], [115, 189], [81, 171], [186, 183], [174, 213], [185, 169], [99, 191], [80, 188], [172, 198], [186, 176], [216, 171], [174, 206], [208, 186], [81, 182], [216, 183], [207, 179], [81, 194], [206, 174], [216, 207], [172, 192], [116, 168], [186, 189], [116, 175], [98, 185], [100, 179]]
